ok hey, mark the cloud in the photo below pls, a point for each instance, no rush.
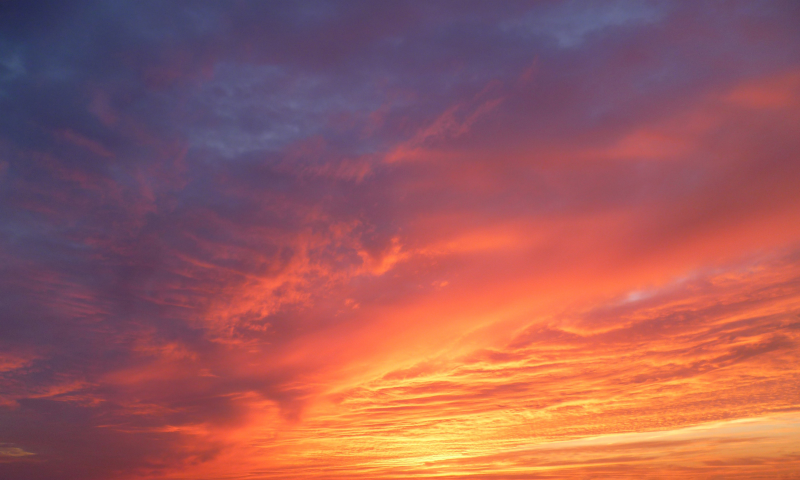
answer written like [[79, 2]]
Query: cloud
[[569, 23], [361, 240]]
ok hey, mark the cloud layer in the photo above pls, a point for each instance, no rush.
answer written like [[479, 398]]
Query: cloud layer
[[409, 240]]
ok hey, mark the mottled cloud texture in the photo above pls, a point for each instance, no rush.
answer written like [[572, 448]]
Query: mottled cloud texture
[[391, 240]]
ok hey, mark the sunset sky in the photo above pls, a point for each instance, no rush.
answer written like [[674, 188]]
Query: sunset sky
[[372, 240]]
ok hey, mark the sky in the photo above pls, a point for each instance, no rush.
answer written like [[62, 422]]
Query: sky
[[390, 240]]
